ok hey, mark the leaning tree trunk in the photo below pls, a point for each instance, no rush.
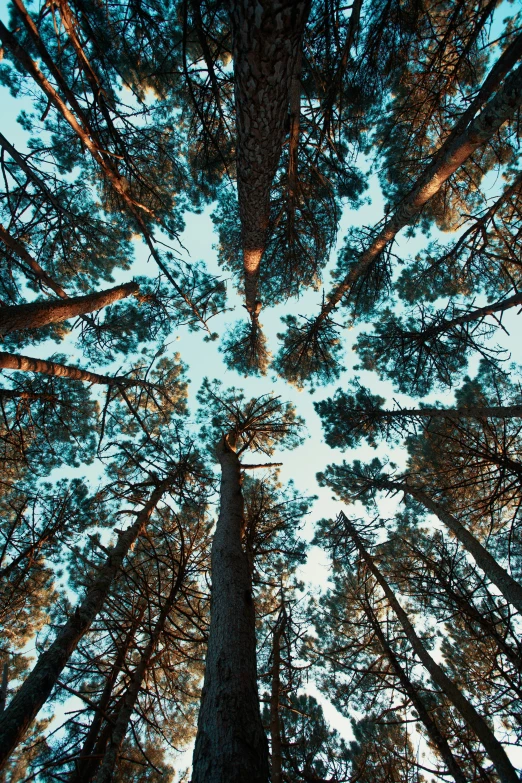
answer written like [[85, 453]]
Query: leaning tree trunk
[[38, 686], [432, 729], [267, 40], [475, 721], [453, 414], [509, 587], [36, 314], [122, 719], [86, 765], [448, 159], [231, 746]]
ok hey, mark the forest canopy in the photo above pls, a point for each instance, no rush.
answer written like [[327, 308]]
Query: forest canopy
[[260, 391]]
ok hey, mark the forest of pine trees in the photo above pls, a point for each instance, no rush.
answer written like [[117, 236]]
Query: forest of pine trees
[[261, 503]]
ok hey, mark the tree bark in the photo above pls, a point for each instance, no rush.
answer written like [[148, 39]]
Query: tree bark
[[432, 729], [498, 110], [36, 314], [267, 39], [39, 684], [509, 587], [231, 745], [476, 722], [11, 361]]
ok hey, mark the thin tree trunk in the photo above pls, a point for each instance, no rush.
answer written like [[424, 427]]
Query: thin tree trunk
[[122, 719], [231, 745], [478, 314], [467, 412], [449, 158], [36, 314], [469, 611], [509, 587], [11, 361], [38, 686], [275, 692], [476, 722], [432, 729], [266, 41], [33, 265], [86, 765]]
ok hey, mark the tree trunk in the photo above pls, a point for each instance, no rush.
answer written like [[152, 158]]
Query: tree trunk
[[432, 729], [11, 361], [509, 587], [36, 314], [275, 720], [231, 745], [122, 719], [266, 41], [476, 722], [449, 158], [86, 765], [38, 685], [478, 314], [467, 412], [17, 247]]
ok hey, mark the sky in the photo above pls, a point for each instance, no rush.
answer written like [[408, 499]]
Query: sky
[[203, 358]]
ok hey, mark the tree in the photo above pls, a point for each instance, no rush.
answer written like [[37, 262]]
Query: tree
[[230, 740]]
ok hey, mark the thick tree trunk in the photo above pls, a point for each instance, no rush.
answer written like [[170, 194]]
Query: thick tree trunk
[[36, 314], [267, 38], [476, 722], [39, 684], [122, 719], [449, 158], [275, 694], [432, 729], [231, 745], [509, 587]]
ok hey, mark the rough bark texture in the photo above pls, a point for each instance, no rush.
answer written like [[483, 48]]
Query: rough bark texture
[[38, 686], [36, 314], [231, 745], [267, 39], [449, 158], [509, 587], [476, 722], [432, 729]]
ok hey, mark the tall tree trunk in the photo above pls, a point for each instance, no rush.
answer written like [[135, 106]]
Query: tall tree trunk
[[475, 721], [11, 361], [509, 587], [122, 719], [86, 765], [267, 39], [36, 314], [231, 745], [37, 687], [448, 159], [275, 697], [454, 414], [432, 729], [446, 325]]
